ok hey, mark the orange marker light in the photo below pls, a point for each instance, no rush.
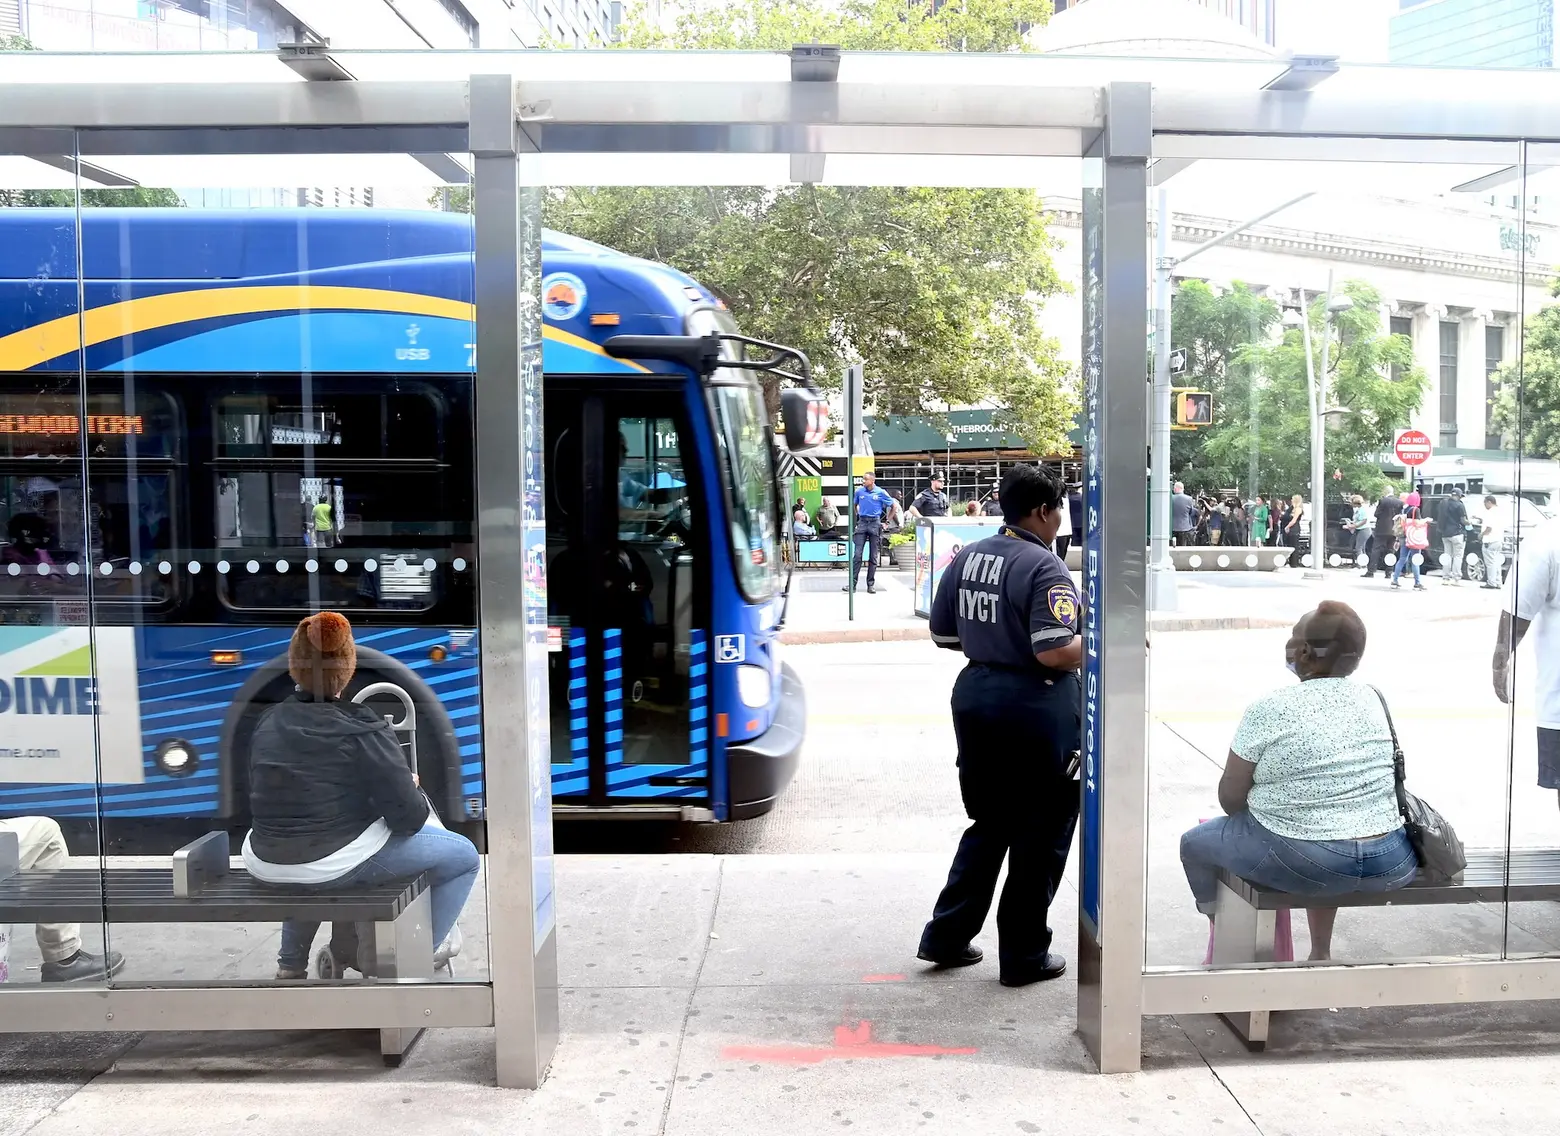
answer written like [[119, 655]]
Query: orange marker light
[[227, 658], [438, 654], [605, 319], [722, 725]]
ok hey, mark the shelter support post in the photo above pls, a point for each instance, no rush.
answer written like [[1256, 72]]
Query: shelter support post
[[1115, 397], [512, 569]]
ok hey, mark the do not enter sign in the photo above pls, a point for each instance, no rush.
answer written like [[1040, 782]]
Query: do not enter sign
[[1412, 447]]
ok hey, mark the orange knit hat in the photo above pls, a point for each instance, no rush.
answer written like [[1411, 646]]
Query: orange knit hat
[[322, 656]]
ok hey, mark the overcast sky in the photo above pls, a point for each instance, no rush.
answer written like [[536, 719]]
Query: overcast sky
[[1355, 30]]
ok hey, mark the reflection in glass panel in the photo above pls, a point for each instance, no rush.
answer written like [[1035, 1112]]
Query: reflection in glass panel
[[55, 679], [253, 460], [1365, 332]]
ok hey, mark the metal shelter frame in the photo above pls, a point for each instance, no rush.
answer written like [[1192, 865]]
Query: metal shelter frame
[[513, 111]]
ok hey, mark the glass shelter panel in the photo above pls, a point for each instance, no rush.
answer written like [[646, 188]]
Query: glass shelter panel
[[1345, 344], [57, 697], [279, 420]]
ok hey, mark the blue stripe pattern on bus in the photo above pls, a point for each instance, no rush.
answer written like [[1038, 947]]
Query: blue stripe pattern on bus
[[574, 778]]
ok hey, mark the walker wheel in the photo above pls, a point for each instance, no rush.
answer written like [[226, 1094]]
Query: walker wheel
[[325, 963]]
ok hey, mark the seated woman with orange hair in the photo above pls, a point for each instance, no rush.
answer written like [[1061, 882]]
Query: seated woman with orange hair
[[334, 803]]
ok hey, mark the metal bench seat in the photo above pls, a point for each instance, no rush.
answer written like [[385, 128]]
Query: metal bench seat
[[394, 921], [146, 895], [1245, 913], [1492, 876]]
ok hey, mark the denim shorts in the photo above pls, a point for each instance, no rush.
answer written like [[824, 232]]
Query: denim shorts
[[1240, 845]]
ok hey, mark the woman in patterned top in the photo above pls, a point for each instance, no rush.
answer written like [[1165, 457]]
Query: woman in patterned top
[[1308, 785]]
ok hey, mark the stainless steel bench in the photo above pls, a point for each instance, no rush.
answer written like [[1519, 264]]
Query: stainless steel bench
[[202, 886], [1245, 912]]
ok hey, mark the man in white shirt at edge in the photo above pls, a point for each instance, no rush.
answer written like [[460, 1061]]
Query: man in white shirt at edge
[[1533, 601], [1492, 534]]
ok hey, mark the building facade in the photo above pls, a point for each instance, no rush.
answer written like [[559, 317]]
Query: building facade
[[1256, 16], [1474, 33], [260, 25]]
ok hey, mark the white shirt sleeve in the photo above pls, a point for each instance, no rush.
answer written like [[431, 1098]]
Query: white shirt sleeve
[[1532, 583]]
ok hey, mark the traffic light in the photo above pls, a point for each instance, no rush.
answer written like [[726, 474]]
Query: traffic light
[[1193, 408]]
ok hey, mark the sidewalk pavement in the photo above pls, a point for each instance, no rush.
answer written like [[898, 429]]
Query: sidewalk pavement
[[780, 994], [1213, 601]]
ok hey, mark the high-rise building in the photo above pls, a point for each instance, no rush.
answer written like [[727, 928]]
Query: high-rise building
[[1474, 33], [227, 25], [1256, 16]]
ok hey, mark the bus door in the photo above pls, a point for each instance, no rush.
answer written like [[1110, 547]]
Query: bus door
[[627, 571]]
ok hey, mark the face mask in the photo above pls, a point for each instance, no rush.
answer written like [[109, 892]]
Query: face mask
[[1294, 670]]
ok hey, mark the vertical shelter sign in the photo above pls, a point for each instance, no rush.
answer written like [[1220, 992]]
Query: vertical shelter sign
[[1093, 484], [533, 536]]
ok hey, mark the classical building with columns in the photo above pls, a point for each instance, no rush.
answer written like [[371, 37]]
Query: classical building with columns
[[1449, 271]]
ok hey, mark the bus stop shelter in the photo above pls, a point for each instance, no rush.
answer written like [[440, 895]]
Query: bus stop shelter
[[1106, 131]]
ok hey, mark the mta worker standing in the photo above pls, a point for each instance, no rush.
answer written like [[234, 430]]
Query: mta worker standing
[[871, 503], [1010, 605]]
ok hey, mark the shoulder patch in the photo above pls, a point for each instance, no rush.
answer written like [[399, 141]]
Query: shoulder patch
[[1063, 604]]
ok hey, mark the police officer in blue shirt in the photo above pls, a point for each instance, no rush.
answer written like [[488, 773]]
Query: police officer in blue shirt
[[871, 504], [1010, 605]]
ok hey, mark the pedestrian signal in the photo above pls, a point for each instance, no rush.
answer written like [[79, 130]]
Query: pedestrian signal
[[1193, 408]]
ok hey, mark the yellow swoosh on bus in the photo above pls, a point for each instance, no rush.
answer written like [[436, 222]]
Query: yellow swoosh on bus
[[31, 346], [34, 345]]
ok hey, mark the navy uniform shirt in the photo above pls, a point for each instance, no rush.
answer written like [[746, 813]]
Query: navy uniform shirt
[[872, 503], [931, 503], [1004, 600]]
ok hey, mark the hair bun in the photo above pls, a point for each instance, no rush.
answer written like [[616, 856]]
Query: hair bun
[[329, 632]]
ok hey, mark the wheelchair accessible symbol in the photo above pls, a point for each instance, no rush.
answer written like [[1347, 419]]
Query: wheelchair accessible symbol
[[730, 649]]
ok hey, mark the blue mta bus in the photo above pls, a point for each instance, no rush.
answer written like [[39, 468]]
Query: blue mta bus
[[238, 417]]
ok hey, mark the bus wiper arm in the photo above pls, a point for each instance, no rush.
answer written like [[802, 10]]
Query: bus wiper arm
[[702, 353]]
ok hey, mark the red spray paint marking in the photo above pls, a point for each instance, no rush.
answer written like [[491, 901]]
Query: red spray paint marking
[[882, 978], [849, 1042]]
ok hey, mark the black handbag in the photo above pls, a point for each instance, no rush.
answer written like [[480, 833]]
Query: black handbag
[[1436, 844]]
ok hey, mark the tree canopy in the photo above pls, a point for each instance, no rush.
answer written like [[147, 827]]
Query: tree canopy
[[1261, 438], [937, 291], [135, 197], [1527, 405]]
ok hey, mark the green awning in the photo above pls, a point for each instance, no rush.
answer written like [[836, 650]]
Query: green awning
[[971, 430]]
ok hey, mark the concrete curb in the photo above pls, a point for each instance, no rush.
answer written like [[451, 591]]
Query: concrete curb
[[857, 635], [902, 634], [1216, 623]]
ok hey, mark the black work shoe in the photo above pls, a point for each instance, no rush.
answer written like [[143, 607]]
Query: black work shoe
[[1055, 966], [871, 589], [969, 956], [83, 967]]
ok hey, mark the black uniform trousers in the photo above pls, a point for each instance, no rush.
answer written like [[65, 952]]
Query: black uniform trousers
[[1015, 732], [868, 535]]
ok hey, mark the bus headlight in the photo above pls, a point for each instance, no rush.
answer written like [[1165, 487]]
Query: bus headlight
[[753, 685], [177, 758]]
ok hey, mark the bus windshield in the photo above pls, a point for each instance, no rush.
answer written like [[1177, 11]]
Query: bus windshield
[[744, 441]]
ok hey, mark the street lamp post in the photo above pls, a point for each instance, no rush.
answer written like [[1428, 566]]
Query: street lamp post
[[1316, 401], [1161, 568]]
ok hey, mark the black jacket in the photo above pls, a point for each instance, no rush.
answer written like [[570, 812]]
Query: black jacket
[[1452, 520], [1386, 509], [322, 772], [930, 503]]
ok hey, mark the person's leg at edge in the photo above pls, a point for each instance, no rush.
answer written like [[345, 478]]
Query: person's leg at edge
[[874, 537], [855, 561], [1492, 559], [41, 844], [1549, 760]]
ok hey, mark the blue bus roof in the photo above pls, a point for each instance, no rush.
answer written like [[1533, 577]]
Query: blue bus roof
[[362, 258]]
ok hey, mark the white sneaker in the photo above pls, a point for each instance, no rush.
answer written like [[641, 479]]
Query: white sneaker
[[447, 949]]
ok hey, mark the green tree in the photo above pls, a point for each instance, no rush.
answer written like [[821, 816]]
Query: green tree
[[135, 197], [937, 291], [1528, 395], [1264, 422], [1217, 328]]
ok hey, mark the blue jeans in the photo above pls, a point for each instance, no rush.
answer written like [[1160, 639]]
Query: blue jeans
[[449, 859], [1240, 845], [1406, 560]]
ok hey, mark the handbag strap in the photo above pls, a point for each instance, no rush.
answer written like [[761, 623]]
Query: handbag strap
[[1399, 770]]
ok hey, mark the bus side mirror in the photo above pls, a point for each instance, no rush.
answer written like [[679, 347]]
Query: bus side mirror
[[805, 416]]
